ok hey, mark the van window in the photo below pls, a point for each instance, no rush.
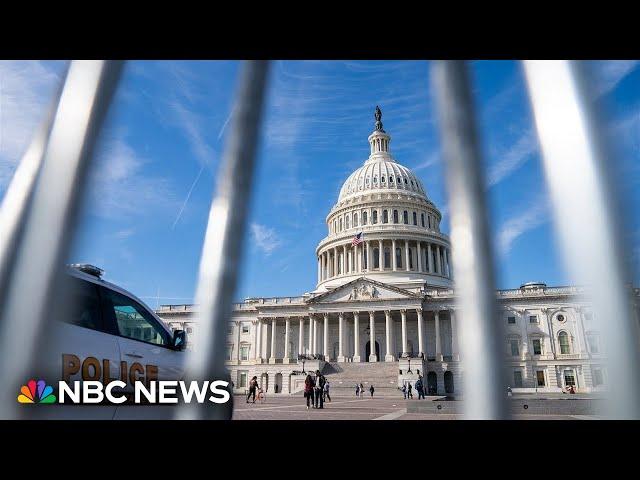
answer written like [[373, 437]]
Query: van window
[[84, 307], [132, 319]]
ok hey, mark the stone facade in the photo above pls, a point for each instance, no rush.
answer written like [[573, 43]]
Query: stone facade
[[393, 289]]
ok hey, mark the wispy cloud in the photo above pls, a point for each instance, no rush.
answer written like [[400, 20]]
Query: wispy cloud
[[534, 215], [265, 238], [514, 157], [609, 73]]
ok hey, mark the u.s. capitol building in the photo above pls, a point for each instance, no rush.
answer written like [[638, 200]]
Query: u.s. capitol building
[[383, 310]]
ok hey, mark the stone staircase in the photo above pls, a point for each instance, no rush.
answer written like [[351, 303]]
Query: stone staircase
[[344, 376]]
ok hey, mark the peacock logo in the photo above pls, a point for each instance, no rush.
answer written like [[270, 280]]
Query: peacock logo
[[44, 393]]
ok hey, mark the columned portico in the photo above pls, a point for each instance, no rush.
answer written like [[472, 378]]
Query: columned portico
[[356, 336], [287, 326], [272, 356], [388, 357], [372, 337], [340, 337], [325, 338]]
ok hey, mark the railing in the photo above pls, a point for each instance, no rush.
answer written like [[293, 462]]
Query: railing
[[38, 222]]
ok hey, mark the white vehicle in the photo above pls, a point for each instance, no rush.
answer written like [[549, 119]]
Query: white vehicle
[[106, 333]]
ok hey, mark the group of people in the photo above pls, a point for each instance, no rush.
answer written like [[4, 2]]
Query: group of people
[[255, 388], [316, 390], [360, 390], [407, 389]]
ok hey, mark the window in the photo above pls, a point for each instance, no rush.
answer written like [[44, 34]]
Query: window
[[84, 305], [390, 179], [569, 378], [422, 219], [133, 321], [376, 258], [515, 348], [533, 319], [340, 224], [242, 378], [189, 330], [245, 327], [517, 378], [429, 220], [593, 343], [405, 217], [364, 255], [347, 224], [385, 216], [364, 218], [415, 218], [395, 216], [540, 378], [382, 179], [387, 258], [563, 340], [561, 318], [355, 219], [374, 217], [537, 346], [230, 329], [511, 320], [375, 180], [399, 257], [598, 378], [244, 352], [399, 181], [410, 257], [229, 352]]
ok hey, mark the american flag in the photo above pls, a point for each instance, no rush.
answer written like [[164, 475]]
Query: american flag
[[357, 239]]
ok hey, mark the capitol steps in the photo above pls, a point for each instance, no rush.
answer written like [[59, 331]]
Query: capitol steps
[[343, 378]]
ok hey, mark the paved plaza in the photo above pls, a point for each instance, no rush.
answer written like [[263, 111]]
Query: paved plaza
[[351, 408]]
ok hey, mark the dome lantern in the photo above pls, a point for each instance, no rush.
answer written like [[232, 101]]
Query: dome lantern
[[379, 139]]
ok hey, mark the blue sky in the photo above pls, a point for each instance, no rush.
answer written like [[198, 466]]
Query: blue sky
[[152, 180]]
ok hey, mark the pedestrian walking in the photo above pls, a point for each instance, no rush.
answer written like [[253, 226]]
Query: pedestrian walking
[[420, 388], [253, 385], [326, 391], [404, 391], [371, 389], [409, 389], [361, 390], [357, 390], [318, 390], [308, 390]]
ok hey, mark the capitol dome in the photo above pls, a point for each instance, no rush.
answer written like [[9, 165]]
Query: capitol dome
[[384, 227]]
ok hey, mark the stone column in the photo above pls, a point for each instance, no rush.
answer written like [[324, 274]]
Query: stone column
[[380, 255], [438, 263], [335, 261], [239, 326], [394, 262], [406, 251], [446, 264], [258, 340], [310, 341], [356, 336], [272, 357], [420, 333], [344, 259], [301, 337], [419, 256], [372, 337], [403, 317], [429, 258], [438, 341], [314, 346], [389, 356], [325, 338], [340, 337], [287, 326], [319, 268], [264, 340], [454, 336]]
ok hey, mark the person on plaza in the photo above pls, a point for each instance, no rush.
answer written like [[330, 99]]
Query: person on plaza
[[319, 390], [509, 391], [261, 397], [371, 389], [420, 388], [357, 390], [572, 390], [361, 390], [409, 390], [404, 391], [253, 385], [308, 390], [326, 391]]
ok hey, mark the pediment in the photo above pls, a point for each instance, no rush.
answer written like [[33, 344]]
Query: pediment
[[364, 290]]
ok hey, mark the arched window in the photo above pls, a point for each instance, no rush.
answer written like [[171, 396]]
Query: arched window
[[385, 216], [347, 225], [387, 257], [340, 224], [382, 179], [375, 180], [410, 257], [429, 220], [376, 258], [355, 219], [415, 218], [563, 340], [374, 217], [422, 219], [395, 216], [399, 257], [405, 217], [390, 179], [364, 218]]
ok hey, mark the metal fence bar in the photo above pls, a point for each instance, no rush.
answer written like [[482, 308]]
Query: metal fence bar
[[481, 332], [223, 241], [586, 217], [46, 227]]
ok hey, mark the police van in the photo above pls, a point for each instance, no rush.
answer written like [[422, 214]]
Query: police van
[[105, 333]]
